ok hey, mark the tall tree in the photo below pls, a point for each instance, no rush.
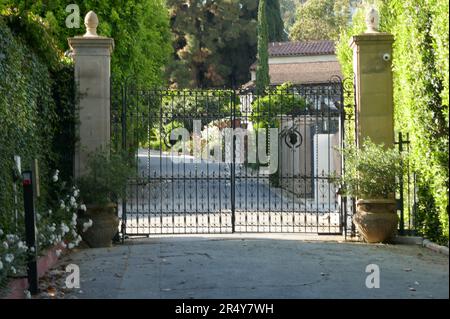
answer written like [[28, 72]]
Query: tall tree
[[262, 70], [288, 10], [275, 22], [214, 42], [321, 19]]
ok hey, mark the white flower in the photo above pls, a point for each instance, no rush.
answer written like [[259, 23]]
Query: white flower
[[64, 228], [76, 192], [1, 265], [58, 252], [21, 245], [74, 233], [71, 246], [74, 217], [11, 238], [49, 211], [32, 249], [27, 294], [62, 205], [55, 176], [87, 225], [63, 244], [9, 258], [13, 269], [5, 245], [83, 207], [73, 201]]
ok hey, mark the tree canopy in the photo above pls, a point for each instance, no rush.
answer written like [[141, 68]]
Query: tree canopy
[[215, 42], [140, 29], [275, 23], [320, 19]]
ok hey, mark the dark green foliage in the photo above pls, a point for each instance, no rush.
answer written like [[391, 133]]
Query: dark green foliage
[[275, 22], [105, 181], [30, 118], [262, 69], [214, 42]]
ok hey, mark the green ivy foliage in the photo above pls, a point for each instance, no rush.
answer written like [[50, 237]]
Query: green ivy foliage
[[36, 114], [420, 68]]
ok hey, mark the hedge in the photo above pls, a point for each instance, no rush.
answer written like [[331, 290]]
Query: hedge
[[37, 105]]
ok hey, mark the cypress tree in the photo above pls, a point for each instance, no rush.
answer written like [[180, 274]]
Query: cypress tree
[[275, 22], [262, 70]]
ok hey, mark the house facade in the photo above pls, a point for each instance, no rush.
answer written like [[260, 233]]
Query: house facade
[[307, 62]]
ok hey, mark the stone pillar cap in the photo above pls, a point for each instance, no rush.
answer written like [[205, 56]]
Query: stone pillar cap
[[91, 23]]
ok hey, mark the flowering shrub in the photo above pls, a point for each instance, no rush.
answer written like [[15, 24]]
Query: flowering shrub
[[56, 225], [12, 255]]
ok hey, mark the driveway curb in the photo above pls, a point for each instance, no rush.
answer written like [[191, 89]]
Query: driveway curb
[[415, 240]]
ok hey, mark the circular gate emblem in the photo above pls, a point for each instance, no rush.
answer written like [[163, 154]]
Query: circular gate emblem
[[293, 139]]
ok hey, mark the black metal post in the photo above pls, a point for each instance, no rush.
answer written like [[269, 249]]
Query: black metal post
[[401, 206], [233, 164], [30, 230], [125, 150]]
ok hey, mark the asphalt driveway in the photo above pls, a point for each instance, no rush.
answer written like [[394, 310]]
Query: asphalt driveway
[[254, 266]]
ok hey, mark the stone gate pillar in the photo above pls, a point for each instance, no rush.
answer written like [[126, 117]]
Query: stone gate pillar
[[372, 64], [92, 57]]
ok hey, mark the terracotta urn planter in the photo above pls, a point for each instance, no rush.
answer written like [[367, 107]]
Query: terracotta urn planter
[[104, 226], [376, 219]]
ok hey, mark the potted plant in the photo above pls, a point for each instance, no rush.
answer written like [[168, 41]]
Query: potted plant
[[100, 188], [370, 177]]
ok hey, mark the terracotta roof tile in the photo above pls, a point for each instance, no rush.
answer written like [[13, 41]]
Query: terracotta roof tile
[[321, 47]]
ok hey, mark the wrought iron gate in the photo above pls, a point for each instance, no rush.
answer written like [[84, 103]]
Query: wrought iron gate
[[223, 161]]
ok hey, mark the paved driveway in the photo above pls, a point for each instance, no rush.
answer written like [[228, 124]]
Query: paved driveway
[[257, 267]]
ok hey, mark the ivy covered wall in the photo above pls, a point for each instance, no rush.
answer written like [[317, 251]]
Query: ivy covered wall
[[36, 109], [420, 66]]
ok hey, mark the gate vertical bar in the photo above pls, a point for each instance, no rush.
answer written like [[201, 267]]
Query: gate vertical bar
[[233, 163], [400, 200], [124, 149]]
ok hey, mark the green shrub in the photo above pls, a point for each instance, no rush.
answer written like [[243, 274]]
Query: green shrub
[[107, 175], [371, 171], [266, 110]]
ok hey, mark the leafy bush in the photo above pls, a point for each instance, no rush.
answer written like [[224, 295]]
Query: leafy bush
[[107, 175], [283, 100], [371, 171]]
